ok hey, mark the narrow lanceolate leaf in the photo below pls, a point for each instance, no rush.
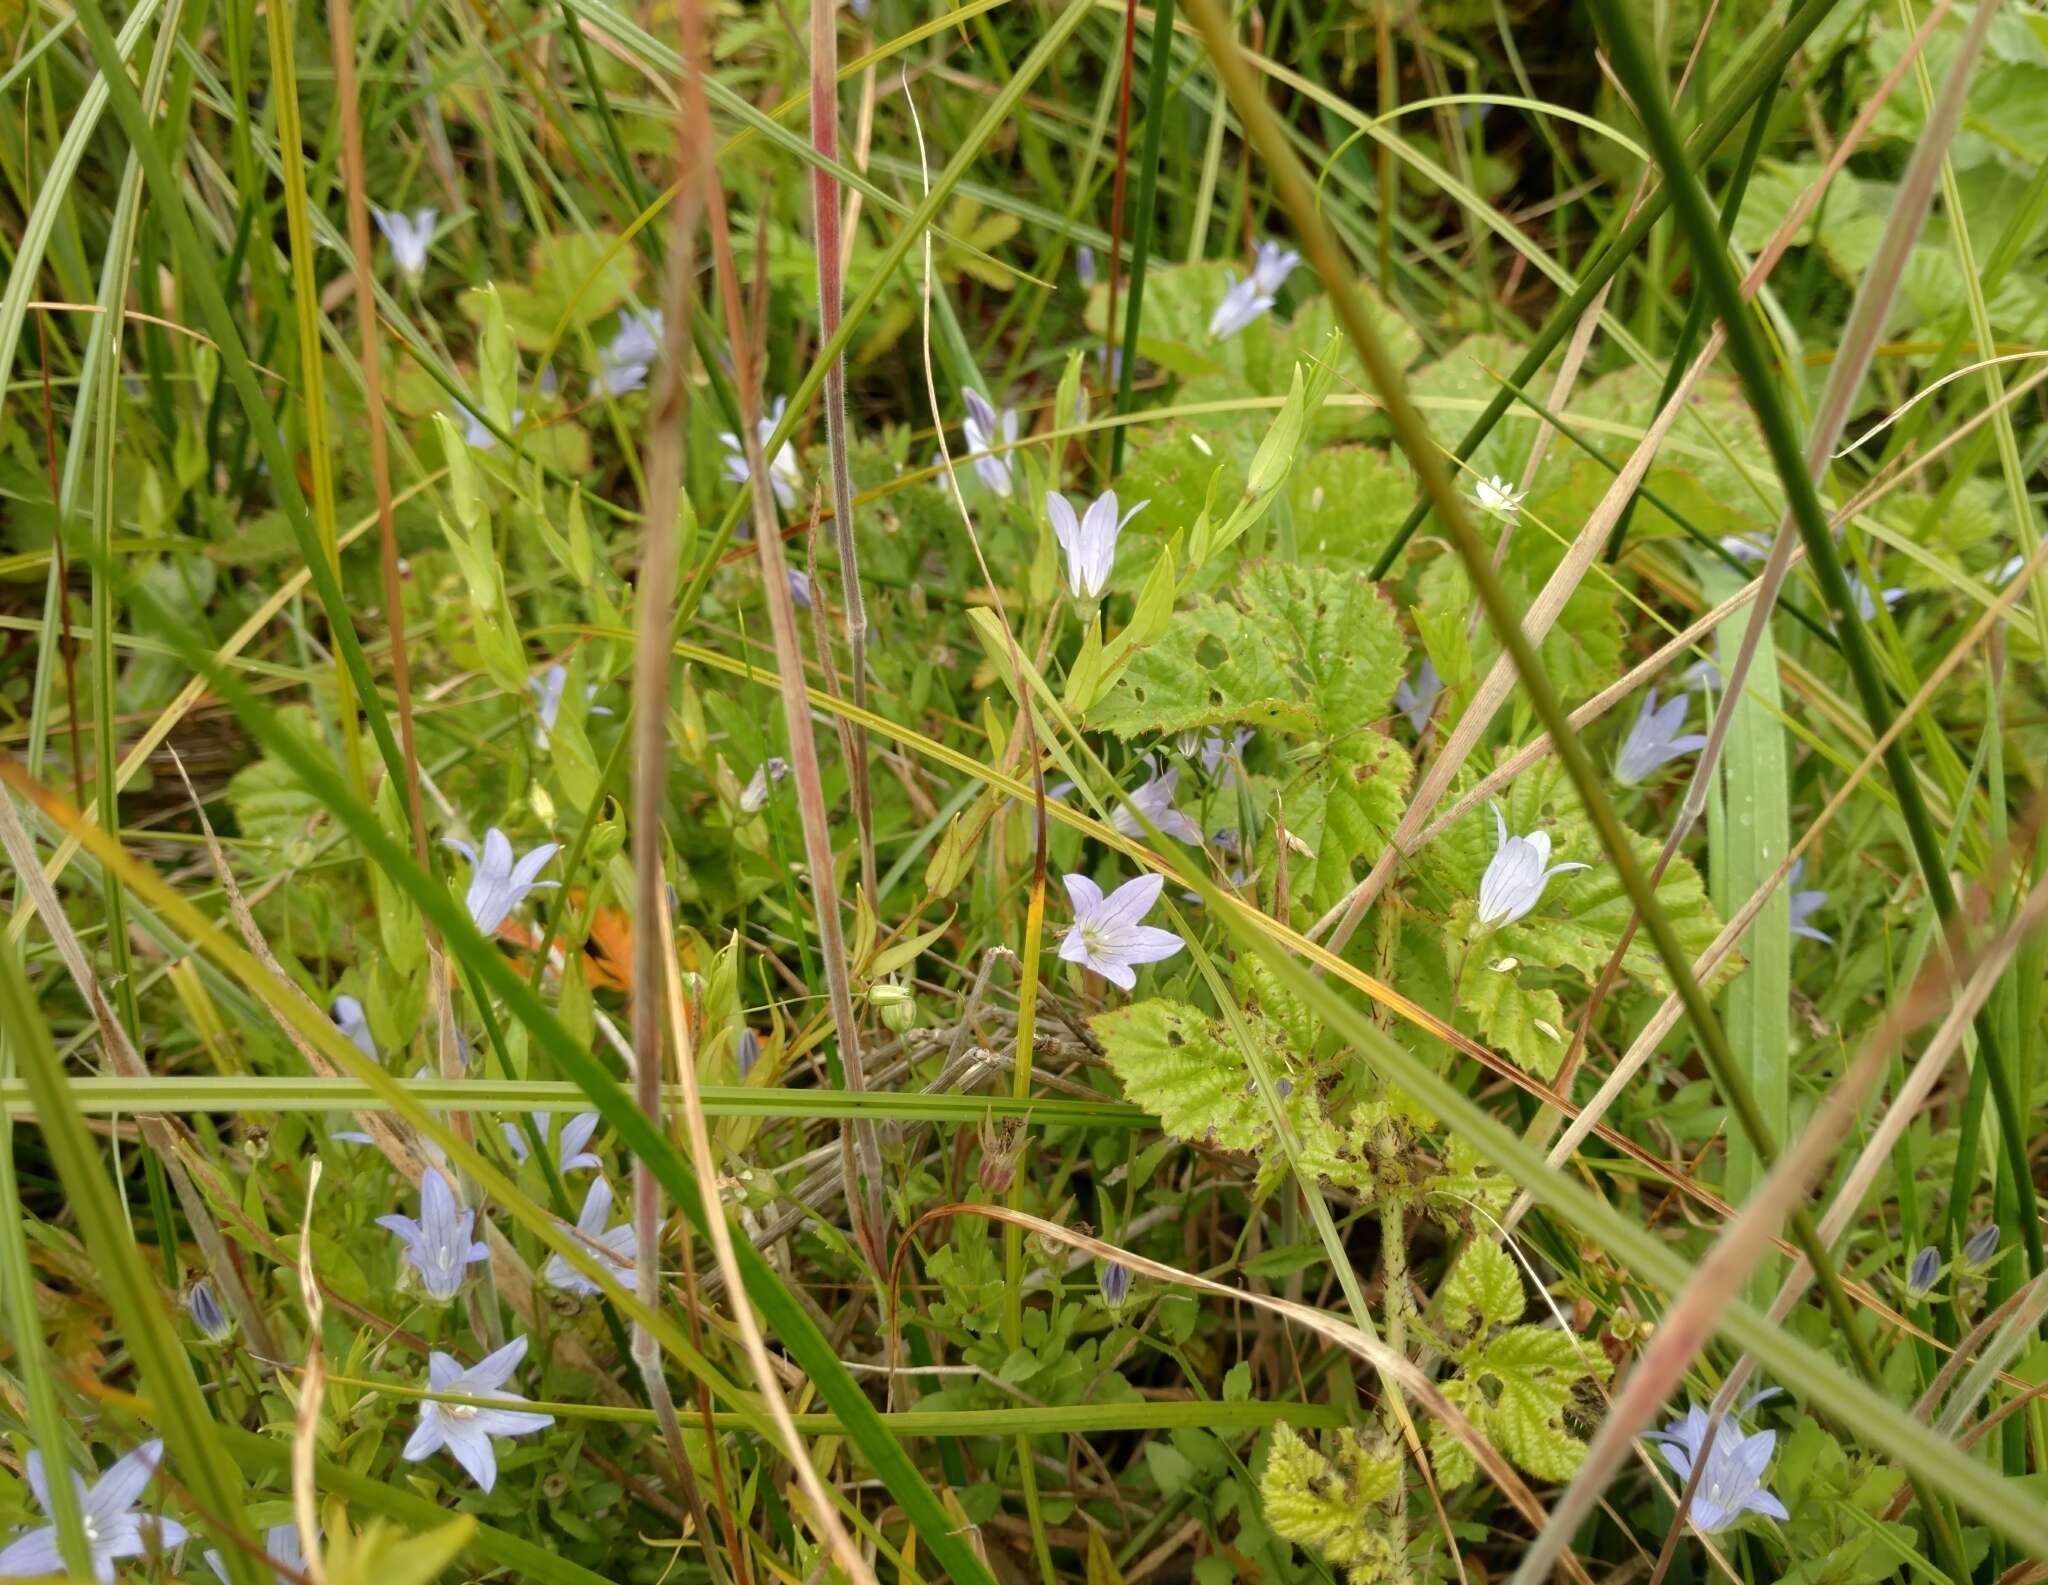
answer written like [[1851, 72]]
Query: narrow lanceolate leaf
[[1748, 840]]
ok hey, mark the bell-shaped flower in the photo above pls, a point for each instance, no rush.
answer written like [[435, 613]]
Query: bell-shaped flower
[[1655, 740], [990, 433], [113, 1529], [1154, 800], [1108, 935], [1215, 752], [439, 1246], [348, 1016], [466, 1429], [1246, 300], [1866, 606], [476, 434], [1498, 498], [570, 1152], [1417, 700], [1514, 881], [754, 796], [284, 1549], [613, 1245], [1089, 539], [498, 884], [207, 1314], [785, 474], [1731, 1483], [409, 236], [623, 362], [547, 699], [1803, 905]]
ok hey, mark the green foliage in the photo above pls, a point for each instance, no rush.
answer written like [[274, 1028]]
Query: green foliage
[[1334, 1506], [1182, 1065]]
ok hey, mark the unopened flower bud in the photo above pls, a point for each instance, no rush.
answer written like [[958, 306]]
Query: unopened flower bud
[[896, 1003], [206, 1312], [1925, 1268]]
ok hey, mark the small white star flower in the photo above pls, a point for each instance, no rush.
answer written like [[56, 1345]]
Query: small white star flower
[[606, 1244], [1107, 935], [113, 1529], [1088, 539], [497, 885], [1515, 879], [439, 1245], [1654, 740], [986, 429], [1498, 498], [409, 236], [465, 1430], [785, 474]]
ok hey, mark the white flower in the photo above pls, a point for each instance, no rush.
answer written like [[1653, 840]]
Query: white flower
[[624, 361], [1089, 540], [1804, 904], [282, 1546], [570, 1156], [348, 1016], [547, 699], [465, 1430], [113, 1529], [1107, 936], [1418, 702], [1498, 498], [476, 434], [496, 884], [409, 236], [800, 589], [785, 474], [2008, 571], [1654, 739], [1084, 266], [1154, 800], [1214, 751], [986, 428], [754, 796], [1513, 883], [1866, 607], [613, 1244], [438, 1245], [1731, 1484], [1247, 299]]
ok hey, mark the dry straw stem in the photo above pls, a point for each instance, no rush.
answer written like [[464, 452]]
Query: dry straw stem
[[1669, 1011], [341, 39], [1689, 1323], [159, 1133], [312, 1391], [824, 1515], [1858, 345], [1558, 590], [1390, 1362]]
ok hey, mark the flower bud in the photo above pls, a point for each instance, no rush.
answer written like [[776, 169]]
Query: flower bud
[[896, 1003], [206, 1312], [1116, 1284], [608, 836], [1982, 1246], [1925, 1268]]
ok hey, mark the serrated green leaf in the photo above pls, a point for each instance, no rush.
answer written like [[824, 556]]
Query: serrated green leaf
[[1214, 665], [1176, 1061], [1527, 1023], [1485, 1286]]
